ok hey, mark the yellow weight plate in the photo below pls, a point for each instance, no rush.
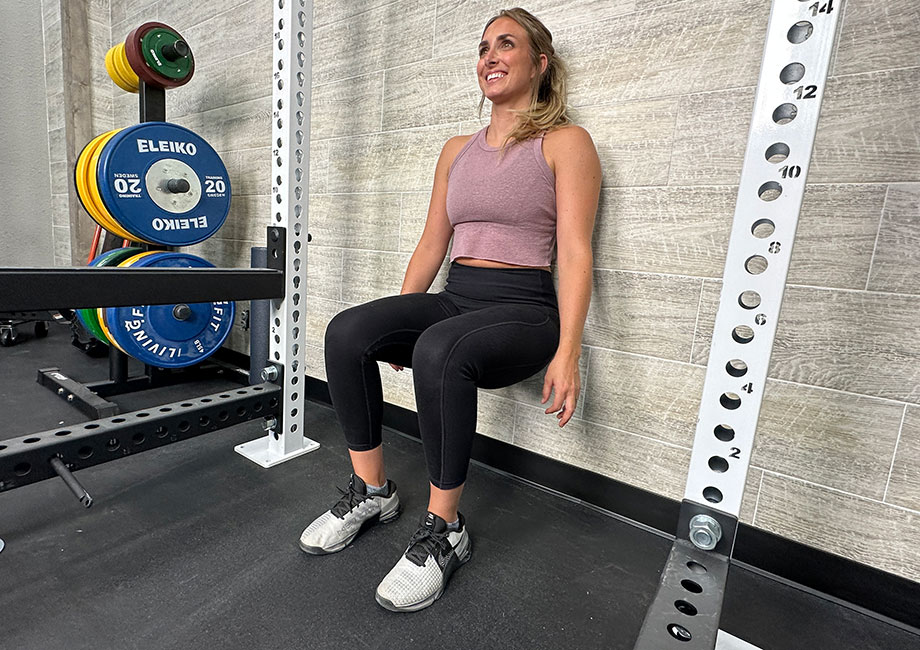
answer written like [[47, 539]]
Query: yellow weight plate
[[94, 205], [92, 183], [100, 311], [113, 71], [81, 178], [120, 59]]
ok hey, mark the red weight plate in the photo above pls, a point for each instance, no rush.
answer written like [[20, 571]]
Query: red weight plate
[[136, 59]]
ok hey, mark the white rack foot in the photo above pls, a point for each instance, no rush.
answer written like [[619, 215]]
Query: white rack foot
[[259, 451]]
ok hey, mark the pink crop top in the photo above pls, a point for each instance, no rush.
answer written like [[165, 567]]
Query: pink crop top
[[502, 207]]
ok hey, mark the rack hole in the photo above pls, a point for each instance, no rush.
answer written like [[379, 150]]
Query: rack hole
[[718, 464], [691, 586], [731, 401], [222, 416], [749, 299], [204, 421], [763, 228], [241, 411], [724, 432], [712, 494], [206, 400], [85, 452], [769, 191], [800, 32], [138, 438], [257, 407], [224, 396], [184, 426], [142, 415], [743, 334], [679, 632], [186, 404], [273, 403], [165, 409], [777, 152], [21, 469], [29, 441], [792, 73], [90, 427], [684, 607], [117, 420], [113, 444], [161, 431], [696, 567], [755, 264], [785, 113], [736, 368]]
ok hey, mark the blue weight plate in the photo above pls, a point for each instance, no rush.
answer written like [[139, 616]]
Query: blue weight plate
[[164, 183], [160, 335]]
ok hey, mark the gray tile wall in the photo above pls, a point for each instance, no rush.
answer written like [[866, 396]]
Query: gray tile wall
[[666, 89]]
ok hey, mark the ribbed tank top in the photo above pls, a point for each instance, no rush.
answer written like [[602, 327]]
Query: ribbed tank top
[[502, 206]]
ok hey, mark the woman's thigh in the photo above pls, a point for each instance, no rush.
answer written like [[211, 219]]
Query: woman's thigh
[[494, 347], [388, 328]]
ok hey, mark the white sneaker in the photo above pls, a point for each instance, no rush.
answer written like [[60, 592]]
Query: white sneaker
[[354, 513], [421, 575]]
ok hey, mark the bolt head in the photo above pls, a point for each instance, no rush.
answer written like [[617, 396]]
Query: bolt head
[[705, 532]]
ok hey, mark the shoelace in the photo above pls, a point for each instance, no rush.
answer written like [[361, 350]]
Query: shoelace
[[349, 500], [425, 542]]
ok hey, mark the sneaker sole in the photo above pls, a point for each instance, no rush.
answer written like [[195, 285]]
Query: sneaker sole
[[373, 521], [448, 572]]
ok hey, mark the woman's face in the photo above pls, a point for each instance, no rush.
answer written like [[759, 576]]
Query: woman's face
[[505, 70]]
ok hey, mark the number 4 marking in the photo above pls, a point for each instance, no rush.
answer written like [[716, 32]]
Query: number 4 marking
[[818, 8]]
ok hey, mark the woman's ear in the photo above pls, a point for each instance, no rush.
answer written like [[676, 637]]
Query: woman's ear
[[544, 63]]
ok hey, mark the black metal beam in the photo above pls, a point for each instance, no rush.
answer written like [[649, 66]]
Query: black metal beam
[[27, 460], [34, 289]]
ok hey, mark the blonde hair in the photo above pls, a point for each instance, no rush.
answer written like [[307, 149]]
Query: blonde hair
[[548, 109]]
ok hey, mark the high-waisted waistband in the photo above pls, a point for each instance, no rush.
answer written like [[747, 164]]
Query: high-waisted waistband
[[522, 286]]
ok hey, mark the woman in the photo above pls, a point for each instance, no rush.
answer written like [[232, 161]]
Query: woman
[[506, 195]]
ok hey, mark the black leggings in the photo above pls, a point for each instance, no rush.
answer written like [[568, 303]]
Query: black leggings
[[489, 328]]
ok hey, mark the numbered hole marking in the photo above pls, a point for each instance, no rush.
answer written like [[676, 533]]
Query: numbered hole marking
[[712, 494], [770, 191], [724, 432], [800, 32], [785, 113], [763, 228], [749, 299], [731, 401], [777, 153], [821, 8], [755, 265], [718, 464], [736, 368], [792, 73], [743, 334]]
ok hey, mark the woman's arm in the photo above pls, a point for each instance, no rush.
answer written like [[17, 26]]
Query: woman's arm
[[432, 247], [571, 153]]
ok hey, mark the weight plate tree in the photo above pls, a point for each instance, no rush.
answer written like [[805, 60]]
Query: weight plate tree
[[685, 612], [88, 317]]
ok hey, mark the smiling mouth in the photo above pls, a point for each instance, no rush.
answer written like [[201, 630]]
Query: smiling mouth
[[494, 76]]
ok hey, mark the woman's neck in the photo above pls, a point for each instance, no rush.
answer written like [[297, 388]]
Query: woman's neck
[[504, 119]]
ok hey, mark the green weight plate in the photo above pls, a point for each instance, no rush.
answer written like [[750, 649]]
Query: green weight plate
[[156, 45], [89, 317]]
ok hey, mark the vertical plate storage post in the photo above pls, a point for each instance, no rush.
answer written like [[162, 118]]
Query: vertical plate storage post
[[287, 234], [793, 74]]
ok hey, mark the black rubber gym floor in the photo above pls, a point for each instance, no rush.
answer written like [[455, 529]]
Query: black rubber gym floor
[[193, 546]]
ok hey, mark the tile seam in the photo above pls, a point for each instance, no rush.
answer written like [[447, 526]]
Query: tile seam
[[878, 233], [757, 500], [696, 323], [839, 491], [894, 455]]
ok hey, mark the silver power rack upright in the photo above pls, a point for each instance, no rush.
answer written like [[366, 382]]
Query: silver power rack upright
[[800, 36]]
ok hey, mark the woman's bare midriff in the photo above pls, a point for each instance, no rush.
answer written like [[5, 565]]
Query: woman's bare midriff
[[490, 264]]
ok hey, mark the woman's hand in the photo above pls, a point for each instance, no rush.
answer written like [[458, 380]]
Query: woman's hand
[[562, 378]]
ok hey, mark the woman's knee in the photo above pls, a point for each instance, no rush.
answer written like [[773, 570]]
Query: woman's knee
[[346, 328], [437, 350]]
